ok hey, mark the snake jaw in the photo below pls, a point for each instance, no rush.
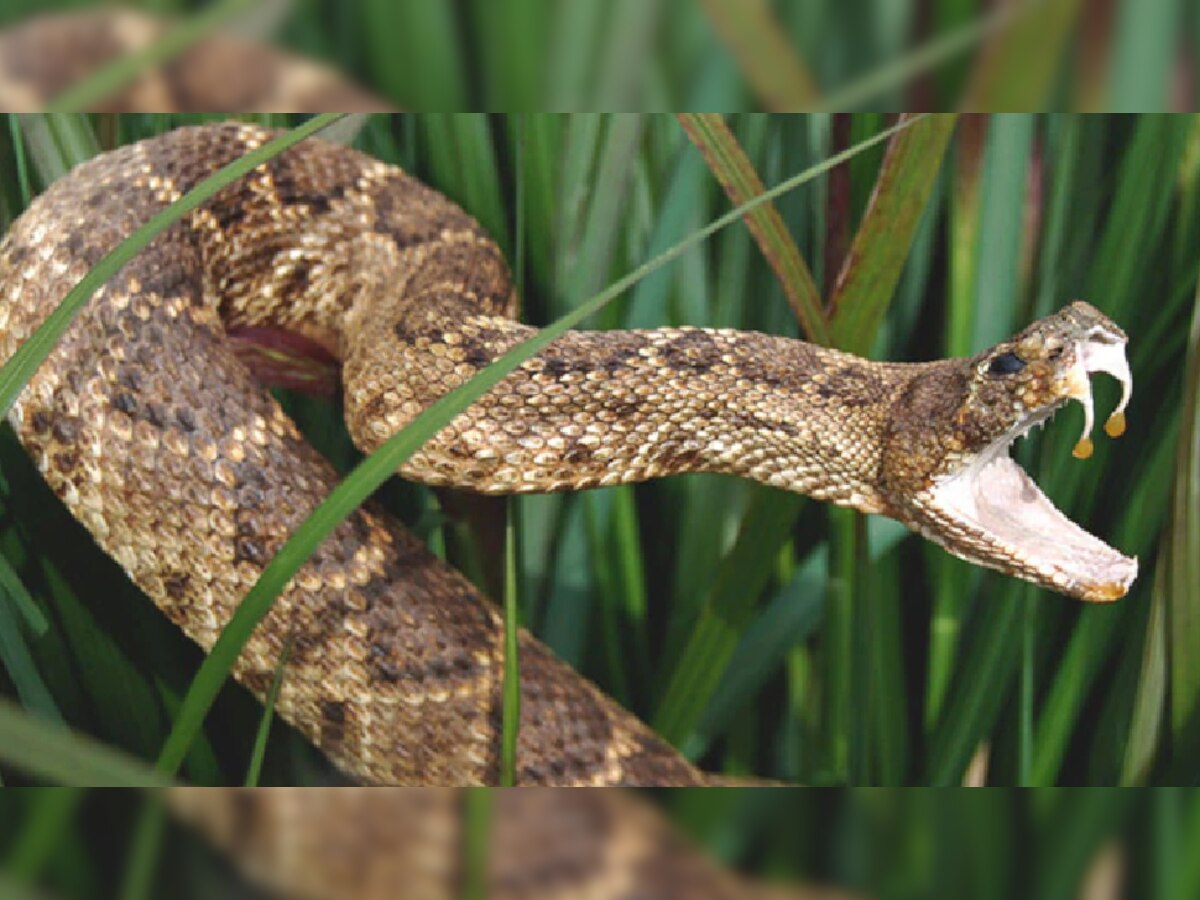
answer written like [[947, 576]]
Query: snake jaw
[[1003, 520]]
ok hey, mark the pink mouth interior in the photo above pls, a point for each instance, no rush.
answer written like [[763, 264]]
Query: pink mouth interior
[[1012, 509]]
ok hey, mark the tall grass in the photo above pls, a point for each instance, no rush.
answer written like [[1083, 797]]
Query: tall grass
[[761, 633], [847, 655]]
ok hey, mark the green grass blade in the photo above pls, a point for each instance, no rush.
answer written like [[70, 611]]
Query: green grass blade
[[1063, 704], [110, 78], [1182, 880], [725, 614], [872, 268], [680, 208], [57, 142], [628, 56], [629, 584], [14, 652], [1143, 66], [572, 53], [606, 206], [43, 832], [1018, 71], [463, 161], [731, 167], [477, 829], [1183, 563], [18, 145], [764, 53], [884, 78], [844, 736], [978, 689], [789, 617], [254, 770], [511, 713], [20, 368], [54, 754], [416, 55], [385, 461], [1149, 710], [998, 276], [14, 592], [146, 849]]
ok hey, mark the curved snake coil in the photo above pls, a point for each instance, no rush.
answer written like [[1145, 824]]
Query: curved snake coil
[[157, 437]]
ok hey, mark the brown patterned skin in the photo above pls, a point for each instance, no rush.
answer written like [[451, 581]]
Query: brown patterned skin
[[378, 844], [45, 55], [188, 473]]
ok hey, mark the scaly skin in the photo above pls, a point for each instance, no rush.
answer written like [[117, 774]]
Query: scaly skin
[[42, 57], [380, 844], [188, 473]]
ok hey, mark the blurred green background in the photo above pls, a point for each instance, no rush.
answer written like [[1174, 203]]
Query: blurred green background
[[1100, 844], [778, 55], [761, 633]]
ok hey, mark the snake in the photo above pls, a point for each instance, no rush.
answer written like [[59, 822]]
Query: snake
[[383, 843], [157, 435], [46, 54]]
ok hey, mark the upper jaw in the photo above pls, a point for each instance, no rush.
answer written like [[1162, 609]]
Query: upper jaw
[[995, 515]]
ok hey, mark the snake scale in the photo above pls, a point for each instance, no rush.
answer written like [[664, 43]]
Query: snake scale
[[157, 436]]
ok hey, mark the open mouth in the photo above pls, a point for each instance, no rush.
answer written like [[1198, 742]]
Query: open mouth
[[1017, 523]]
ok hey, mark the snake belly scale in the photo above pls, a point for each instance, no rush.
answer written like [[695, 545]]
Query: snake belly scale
[[158, 438]]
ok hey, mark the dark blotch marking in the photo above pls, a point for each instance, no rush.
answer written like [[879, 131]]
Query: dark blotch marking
[[477, 356], [156, 414], [295, 283], [849, 387], [176, 584], [246, 825], [66, 430], [556, 366], [618, 359], [755, 423], [178, 277], [381, 663], [186, 419], [412, 214], [294, 190], [130, 378], [125, 403], [247, 549], [333, 721], [691, 351]]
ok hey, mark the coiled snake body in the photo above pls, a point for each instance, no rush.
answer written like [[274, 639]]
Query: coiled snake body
[[156, 435]]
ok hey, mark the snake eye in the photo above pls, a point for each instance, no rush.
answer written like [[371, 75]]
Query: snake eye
[[1006, 364]]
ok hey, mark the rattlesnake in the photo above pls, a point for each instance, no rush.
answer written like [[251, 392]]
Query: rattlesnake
[[372, 844], [157, 437], [43, 56]]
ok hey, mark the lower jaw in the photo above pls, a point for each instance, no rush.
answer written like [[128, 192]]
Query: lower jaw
[[1015, 528]]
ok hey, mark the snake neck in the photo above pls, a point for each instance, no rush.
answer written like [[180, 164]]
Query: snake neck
[[606, 408]]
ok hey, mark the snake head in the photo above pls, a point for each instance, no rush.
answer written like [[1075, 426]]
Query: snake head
[[959, 419]]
